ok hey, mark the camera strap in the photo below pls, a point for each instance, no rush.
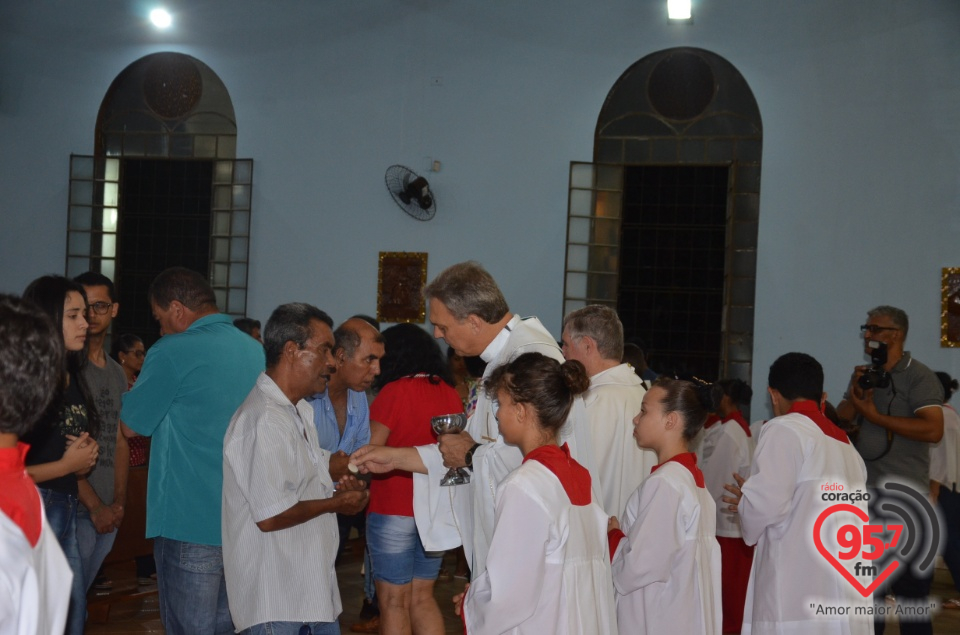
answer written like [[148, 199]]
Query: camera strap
[[890, 435], [886, 450]]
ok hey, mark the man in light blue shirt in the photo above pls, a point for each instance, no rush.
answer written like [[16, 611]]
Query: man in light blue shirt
[[342, 416], [356, 432], [192, 381], [341, 413]]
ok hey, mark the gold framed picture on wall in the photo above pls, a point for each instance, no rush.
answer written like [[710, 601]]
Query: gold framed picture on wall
[[400, 280], [950, 307]]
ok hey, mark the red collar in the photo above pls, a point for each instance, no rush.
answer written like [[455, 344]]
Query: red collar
[[12, 459], [809, 410], [737, 416], [711, 419], [19, 498], [689, 461], [574, 478]]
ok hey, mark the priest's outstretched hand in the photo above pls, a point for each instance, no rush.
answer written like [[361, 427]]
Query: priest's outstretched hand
[[378, 459]]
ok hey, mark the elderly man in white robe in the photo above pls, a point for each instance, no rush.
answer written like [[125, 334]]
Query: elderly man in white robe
[[593, 336], [470, 314]]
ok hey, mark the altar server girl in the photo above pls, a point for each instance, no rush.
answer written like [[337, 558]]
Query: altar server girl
[[548, 570], [666, 560], [724, 451]]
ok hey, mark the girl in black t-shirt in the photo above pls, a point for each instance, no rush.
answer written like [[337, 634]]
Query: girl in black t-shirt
[[62, 445]]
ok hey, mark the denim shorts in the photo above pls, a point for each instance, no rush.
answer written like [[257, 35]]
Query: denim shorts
[[397, 553]]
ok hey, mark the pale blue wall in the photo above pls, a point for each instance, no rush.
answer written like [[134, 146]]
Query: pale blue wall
[[860, 102]]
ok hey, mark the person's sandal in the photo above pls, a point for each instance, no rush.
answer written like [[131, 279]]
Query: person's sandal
[[951, 604], [370, 626]]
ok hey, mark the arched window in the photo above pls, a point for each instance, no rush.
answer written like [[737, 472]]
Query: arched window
[[162, 188], [663, 224]]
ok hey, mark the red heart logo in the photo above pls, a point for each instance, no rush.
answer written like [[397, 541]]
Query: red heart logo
[[862, 515]]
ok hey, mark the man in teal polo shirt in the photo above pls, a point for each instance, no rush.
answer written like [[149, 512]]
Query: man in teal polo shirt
[[192, 381]]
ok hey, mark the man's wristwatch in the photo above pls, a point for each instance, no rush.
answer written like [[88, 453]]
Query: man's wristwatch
[[468, 457]]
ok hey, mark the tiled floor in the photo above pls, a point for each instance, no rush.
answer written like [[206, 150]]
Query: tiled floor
[[140, 614], [134, 608]]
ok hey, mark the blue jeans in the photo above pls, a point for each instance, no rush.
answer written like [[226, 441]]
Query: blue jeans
[[294, 628], [61, 510], [193, 591], [908, 585], [94, 547], [346, 523], [950, 505]]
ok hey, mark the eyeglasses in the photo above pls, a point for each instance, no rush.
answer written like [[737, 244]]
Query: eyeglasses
[[100, 308], [139, 354], [873, 329]]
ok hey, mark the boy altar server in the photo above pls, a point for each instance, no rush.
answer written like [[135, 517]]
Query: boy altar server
[[798, 452]]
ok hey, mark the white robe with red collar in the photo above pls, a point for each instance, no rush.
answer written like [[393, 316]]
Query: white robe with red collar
[[725, 449], [34, 582], [548, 570], [666, 570], [781, 501]]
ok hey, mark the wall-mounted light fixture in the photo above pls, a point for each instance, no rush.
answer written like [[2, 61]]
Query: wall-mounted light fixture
[[161, 18], [679, 10]]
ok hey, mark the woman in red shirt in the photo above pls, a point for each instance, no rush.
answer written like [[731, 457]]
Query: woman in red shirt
[[414, 385]]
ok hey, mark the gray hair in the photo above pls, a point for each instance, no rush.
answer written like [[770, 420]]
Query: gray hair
[[290, 323], [467, 289], [600, 323], [898, 316]]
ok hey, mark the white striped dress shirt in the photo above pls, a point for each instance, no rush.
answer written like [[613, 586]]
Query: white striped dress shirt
[[271, 461]]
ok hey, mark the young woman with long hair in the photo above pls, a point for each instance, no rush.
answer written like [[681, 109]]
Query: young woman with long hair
[[62, 446]]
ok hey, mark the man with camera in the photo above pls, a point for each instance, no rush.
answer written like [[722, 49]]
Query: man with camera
[[895, 404]]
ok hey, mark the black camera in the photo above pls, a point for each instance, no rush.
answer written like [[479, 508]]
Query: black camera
[[877, 376]]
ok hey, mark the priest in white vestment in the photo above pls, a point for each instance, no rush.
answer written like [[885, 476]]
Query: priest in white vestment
[[593, 336], [470, 314]]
